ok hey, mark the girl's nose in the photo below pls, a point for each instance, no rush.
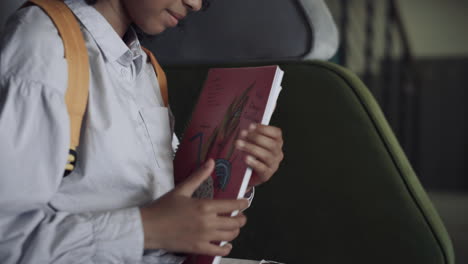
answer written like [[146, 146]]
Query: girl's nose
[[193, 5]]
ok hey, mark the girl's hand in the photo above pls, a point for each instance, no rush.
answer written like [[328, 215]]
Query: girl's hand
[[263, 145], [179, 223]]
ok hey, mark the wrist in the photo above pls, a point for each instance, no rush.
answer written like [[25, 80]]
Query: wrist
[[150, 241]]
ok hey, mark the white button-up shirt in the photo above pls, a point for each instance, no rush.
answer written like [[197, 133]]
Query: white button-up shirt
[[124, 158]]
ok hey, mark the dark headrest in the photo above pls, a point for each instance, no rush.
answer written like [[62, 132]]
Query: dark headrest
[[250, 31]]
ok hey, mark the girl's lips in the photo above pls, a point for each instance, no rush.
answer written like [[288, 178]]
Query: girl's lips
[[176, 15], [175, 18]]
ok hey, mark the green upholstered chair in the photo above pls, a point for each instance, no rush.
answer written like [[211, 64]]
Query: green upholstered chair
[[345, 192]]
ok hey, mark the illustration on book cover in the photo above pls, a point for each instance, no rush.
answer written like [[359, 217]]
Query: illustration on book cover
[[231, 100], [221, 144]]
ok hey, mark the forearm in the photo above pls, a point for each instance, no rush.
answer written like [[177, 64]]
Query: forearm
[[45, 236]]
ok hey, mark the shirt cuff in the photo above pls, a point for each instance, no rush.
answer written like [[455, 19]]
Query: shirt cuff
[[250, 195], [122, 230]]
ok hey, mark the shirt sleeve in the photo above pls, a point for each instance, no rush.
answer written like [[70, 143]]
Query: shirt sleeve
[[34, 142], [250, 196]]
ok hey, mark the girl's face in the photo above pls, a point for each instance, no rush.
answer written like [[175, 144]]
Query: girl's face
[[154, 16]]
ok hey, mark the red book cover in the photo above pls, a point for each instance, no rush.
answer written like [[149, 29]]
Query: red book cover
[[231, 99]]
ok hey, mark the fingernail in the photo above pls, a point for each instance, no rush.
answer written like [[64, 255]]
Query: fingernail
[[243, 133], [252, 126], [207, 164], [240, 143], [249, 158]]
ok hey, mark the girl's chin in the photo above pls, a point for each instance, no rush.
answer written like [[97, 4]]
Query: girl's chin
[[153, 29]]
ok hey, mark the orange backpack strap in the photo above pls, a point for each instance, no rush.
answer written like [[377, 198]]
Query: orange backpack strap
[[76, 55], [161, 76], [78, 69]]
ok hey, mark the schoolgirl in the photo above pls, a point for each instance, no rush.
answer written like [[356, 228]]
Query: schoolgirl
[[119, 204]]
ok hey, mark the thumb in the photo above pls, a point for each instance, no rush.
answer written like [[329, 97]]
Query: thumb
[[191, 184]]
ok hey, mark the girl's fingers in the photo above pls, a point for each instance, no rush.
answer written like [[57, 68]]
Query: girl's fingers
[[264, 145], [223, 206], [262, 141], [269, 131], [257, 151], [227, 223], [211, 249], [222, 235], [260, 168]]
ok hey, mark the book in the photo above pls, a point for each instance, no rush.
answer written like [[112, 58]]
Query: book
[[231, 99]]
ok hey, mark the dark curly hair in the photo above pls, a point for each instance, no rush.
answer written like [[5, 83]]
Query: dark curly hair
[[205, 3]]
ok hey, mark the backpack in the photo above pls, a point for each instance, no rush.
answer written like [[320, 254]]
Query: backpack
[[76, 55]]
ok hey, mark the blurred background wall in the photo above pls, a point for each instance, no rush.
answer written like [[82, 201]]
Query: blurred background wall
[[436, 28], [413, 55]]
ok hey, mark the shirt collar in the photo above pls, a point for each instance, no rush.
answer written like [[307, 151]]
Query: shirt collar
[[109, 42], [133, 52]]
